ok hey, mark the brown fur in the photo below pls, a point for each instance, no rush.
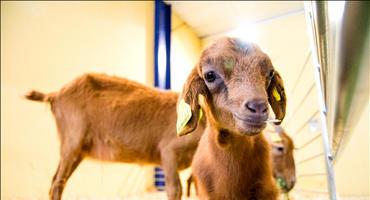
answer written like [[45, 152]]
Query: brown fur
[[282, 161], [115, 119], [233, 159]]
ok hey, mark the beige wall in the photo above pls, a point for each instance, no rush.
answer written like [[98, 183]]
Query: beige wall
[[185, 51], [286, 41], [45, 45]]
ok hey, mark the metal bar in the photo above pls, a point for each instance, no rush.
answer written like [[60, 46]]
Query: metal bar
[[351, 72], [312, 174], [309, 158], [309, 142], [296, 83], [177, 27], [312, 190], [301, 72], [305, 124], [162, 49], [315, 11], [162, 45], [301, 102]]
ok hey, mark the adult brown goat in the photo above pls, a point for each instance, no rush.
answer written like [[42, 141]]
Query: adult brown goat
[[233, 83], [115, 119]]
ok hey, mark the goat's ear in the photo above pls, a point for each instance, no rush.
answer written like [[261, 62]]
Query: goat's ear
[[277, 98], [188, 108]]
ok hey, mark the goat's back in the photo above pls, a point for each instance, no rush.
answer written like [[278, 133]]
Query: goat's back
[[115, 119]]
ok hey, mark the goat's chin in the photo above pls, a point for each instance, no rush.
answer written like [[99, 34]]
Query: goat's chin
[[249, 126], [250, 130]]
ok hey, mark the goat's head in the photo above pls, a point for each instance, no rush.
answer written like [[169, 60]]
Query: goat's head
[[237, 80], [282, 159]]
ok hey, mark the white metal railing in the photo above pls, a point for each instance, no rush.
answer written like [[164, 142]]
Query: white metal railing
[[340, 53]]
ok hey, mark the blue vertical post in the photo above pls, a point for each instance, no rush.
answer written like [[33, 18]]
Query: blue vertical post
[[162, 45], [162, 75]]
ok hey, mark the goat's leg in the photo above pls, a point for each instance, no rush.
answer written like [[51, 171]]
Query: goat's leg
[[195, 186], [189, 182], [55, 175], [188, 188], [173, 184], [67, 164]]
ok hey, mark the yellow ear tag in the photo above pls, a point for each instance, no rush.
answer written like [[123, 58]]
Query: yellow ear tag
[[276, 94], [183, 115], [275, 138], [200, 114], [201, 102]]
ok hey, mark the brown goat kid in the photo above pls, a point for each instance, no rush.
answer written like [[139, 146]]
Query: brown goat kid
[[283, 166], [114, 119], [233, 83]]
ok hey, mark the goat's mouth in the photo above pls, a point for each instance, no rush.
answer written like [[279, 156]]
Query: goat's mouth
[[250, 125], [283, 185]]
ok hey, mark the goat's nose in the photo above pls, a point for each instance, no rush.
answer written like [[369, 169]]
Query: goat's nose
[[290, 184], [257, 106]]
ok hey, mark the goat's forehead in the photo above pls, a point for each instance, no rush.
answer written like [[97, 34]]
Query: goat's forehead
[[233, 57], [231, 47], [233, 43], [238, 62]]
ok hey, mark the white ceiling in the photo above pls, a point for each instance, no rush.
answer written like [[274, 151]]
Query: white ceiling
[[208, 18]]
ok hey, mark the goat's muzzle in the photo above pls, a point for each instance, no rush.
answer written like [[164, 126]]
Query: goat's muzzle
[[252, 116]]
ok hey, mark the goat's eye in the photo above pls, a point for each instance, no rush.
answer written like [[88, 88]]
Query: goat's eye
[[280, 149], [210, 76], [271, 74]]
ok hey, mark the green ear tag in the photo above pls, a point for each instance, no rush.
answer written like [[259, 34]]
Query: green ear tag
[[280, 182], [276, 94], [183, 115], [229, 64]]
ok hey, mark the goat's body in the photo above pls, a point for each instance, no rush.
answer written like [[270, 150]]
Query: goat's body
[[114, 119], [282, 160], [92, 100], [233, 167], [233, 83]]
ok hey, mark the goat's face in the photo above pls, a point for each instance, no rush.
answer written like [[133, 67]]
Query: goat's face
[[237, 80], [283, 162]]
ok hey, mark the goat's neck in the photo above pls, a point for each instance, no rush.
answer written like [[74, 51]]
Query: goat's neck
[[236, 143], [237, 152]]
